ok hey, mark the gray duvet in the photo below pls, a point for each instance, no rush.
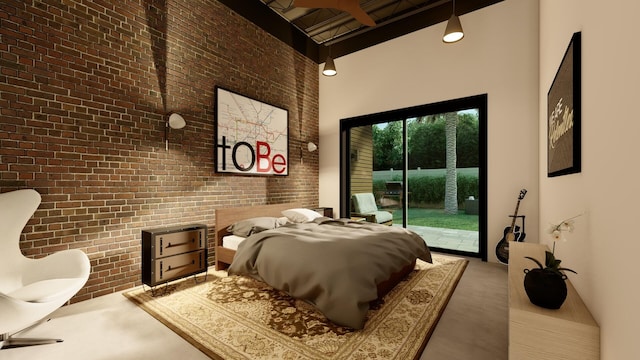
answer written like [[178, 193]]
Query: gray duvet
[[333, 264]]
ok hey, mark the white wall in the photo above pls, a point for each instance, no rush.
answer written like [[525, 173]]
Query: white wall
[[498, 56], [604, 247]]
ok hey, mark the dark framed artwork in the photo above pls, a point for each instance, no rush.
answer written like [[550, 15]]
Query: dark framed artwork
[[252, 137], [564, 114]]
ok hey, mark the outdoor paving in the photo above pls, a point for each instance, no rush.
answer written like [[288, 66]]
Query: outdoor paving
[[461, 240]]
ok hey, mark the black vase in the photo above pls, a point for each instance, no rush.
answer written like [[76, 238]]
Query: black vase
[[545, 288]]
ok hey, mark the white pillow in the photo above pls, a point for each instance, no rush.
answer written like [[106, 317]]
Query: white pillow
[[301, 215]]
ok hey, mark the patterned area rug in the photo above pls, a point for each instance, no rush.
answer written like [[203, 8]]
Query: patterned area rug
[[233, 317]]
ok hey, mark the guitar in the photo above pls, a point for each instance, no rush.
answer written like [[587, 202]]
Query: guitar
[[511, 233]]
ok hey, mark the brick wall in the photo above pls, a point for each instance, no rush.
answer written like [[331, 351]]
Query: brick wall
[[85, 87]]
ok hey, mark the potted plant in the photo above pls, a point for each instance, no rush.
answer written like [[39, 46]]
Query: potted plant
[[545, 286]]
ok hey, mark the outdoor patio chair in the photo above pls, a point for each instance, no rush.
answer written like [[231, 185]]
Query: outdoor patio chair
[[364, 206]]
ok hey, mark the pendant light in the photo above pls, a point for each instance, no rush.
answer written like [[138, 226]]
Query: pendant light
[[453, 31], [329, 67]]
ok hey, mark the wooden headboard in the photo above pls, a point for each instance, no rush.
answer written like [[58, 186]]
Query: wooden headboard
[[228, 216]]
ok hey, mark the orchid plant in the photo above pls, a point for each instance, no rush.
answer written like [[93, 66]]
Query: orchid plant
[[556, 230]]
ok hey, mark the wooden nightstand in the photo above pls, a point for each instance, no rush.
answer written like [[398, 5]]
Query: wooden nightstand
[[326, 211], [173, 252]]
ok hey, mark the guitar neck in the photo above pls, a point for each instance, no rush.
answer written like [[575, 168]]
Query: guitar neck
[[515, 215]]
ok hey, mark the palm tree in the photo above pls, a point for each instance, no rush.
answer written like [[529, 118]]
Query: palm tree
[[451, 185]]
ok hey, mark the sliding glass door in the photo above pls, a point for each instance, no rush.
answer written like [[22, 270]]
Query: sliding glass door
[[426, 166]]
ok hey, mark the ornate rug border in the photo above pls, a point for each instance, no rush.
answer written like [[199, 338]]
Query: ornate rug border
[[451, 284]]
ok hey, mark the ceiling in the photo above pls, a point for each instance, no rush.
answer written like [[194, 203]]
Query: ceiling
[[316, 32]]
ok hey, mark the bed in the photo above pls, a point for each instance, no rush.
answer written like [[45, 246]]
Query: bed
[[337, 265], [228, 216]]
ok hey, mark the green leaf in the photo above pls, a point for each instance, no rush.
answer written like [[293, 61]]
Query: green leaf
[[565, 269], [549, 258], [536, 261]]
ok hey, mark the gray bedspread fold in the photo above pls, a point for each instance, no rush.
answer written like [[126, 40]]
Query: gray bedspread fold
[[333, 264]]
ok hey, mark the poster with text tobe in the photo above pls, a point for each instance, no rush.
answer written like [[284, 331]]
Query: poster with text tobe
[[252, 137]]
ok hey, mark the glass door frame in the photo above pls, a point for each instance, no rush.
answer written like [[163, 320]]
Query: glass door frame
[[476, 102]]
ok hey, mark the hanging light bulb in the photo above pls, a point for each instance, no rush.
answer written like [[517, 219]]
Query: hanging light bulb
[[453, 32], [329, 67]]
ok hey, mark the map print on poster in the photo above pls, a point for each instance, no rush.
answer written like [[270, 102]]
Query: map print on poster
[[251, 136]]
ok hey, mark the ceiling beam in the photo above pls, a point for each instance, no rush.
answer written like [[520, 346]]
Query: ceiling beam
[[261, 15]]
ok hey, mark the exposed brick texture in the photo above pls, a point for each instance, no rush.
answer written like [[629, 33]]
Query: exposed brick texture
[[85, 88]]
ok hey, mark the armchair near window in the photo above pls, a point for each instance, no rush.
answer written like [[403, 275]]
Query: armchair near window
[[364, 205], [31, 289]]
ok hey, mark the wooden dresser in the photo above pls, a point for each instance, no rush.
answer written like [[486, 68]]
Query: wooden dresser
[[173, 252], [537, 333]]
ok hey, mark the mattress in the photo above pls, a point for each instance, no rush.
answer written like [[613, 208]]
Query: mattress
[[232, 241]]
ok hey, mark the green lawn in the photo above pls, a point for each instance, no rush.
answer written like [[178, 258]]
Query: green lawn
[[437, 218], [389, 175]]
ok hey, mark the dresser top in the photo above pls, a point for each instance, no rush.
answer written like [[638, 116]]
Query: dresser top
[[173, 229]]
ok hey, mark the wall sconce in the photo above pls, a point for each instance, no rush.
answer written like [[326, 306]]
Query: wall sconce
[[311, 147], [175, 121]]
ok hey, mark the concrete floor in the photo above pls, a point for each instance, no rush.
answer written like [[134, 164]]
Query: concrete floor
[[473, 326]]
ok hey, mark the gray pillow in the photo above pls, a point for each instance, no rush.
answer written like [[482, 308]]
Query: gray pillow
[[255, 225]]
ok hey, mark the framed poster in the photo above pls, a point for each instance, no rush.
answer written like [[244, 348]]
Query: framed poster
[[564, 114], [252, 137]]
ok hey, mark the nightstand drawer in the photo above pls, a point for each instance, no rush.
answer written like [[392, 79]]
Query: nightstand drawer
[[177, 266], [178, 242]]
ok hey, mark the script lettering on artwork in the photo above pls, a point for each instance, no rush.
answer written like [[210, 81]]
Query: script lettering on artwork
[[560, 122], [251, 136]]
